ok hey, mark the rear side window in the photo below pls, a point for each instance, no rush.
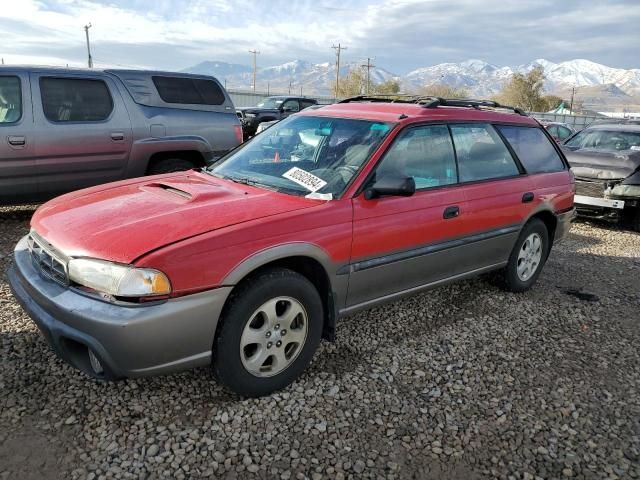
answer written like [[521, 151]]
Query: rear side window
[[75, 99], [10, 100], [306, 103], [482, 154], [533, 148], [189, 91]]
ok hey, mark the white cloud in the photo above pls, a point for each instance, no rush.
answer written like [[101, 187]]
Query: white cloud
[[401, 34]]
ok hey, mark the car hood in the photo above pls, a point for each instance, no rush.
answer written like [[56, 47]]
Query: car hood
[[601, 164], [257, 110], [126, 220]]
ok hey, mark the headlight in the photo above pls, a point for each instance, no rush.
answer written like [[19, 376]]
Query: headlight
[[118, 280], [626, 190]]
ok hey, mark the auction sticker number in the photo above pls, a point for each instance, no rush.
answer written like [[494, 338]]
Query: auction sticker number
[[304, 178]]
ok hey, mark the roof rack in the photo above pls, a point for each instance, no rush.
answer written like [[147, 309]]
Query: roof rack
[[432, 102]]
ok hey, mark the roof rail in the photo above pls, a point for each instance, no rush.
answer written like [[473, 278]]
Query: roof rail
[[432, 102]]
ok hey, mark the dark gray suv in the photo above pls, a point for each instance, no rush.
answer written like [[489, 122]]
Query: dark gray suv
[[66, 129]]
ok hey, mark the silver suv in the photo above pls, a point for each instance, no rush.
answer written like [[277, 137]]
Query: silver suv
[[66, 129]]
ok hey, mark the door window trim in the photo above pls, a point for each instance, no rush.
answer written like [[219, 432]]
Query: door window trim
[[22, 105]]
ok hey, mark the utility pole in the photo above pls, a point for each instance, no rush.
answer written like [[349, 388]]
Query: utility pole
[[255, 53], [290, 85], [89, 57], [573, 91], [368, 66], [338, 48]]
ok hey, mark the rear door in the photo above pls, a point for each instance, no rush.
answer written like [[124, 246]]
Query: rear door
[[500, 196], [18, 178], [84, 131]]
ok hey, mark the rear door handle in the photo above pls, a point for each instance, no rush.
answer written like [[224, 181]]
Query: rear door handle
[[117, 136], [451, 212], [17, 140], [527, 197]]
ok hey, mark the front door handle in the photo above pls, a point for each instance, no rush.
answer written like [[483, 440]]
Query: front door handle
[[17, 140], [527, 197], [451, 212], [117, 136]]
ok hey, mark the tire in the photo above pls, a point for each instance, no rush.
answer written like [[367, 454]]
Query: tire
[[516, 277], [170, 165], [276, 358], [632, 218]]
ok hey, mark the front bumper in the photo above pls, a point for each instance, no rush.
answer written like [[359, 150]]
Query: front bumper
[[129, 341]]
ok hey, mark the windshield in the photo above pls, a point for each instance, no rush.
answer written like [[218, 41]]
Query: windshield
[[305, 156], [605, 140], [271, 102]]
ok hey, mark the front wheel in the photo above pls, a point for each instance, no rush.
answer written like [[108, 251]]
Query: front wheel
[[269, 333], [527, 257]]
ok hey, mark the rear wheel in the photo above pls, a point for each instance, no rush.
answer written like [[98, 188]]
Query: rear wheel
[[169, 165], [632, 218], [527, 257], [269, 333]]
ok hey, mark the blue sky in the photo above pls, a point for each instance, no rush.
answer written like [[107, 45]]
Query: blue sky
[[399, 34]]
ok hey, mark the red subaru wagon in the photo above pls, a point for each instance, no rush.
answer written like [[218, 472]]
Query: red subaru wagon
[[248, 263]]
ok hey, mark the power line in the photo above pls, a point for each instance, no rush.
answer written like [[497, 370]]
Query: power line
[[338, 48], [255, 53], [89, 58], [368, 66]]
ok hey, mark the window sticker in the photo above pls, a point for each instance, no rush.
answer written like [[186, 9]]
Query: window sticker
[[304, 178], [319, 196]]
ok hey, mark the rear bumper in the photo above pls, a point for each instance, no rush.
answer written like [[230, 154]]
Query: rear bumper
[[129, 341], [563, 226]]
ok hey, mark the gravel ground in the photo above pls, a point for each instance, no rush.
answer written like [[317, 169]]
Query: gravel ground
[[462, 382]]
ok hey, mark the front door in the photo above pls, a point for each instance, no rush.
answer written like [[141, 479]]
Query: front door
[[400, 243], [84, 131], [18, 178]]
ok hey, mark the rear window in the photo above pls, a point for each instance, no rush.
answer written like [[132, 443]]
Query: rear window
[[10, 100], [189, 91], [75, 99], [533, 148]]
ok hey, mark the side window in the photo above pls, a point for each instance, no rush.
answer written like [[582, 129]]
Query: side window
[[533, 148], [75, 99], [563, 133], [553, 130], [188, 91], [481, 153], [291, 106], [10, 100], [424, 153], [306, 104]]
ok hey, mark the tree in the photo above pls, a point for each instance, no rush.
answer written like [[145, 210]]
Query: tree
[[443, 91], [355, 84], [551, 102], [524, 90]]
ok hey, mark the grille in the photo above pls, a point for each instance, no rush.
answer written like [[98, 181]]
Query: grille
[[50, 263], [590, 189]]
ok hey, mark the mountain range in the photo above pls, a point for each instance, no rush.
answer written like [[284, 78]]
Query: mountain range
[[596, 84]]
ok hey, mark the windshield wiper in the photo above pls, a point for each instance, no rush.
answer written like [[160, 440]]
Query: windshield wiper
[[249, 181]]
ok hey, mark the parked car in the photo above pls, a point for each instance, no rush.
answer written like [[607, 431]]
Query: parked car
[[605, 159], [326, 213], [65, 129], [270, 109], [559, 131]]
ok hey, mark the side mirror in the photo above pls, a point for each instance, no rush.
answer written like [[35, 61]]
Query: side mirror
[[391, 185]]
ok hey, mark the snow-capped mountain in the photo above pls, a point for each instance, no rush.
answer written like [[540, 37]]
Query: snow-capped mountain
[[481, 78], [477, 77], [291, 76]]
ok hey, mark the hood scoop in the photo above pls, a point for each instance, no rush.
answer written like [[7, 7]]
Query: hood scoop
[[170, 189]]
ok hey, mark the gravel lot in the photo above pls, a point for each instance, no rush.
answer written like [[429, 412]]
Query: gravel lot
[[462, 382]]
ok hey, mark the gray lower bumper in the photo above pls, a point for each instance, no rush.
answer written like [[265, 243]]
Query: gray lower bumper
[[564, 224], [129, 341]]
